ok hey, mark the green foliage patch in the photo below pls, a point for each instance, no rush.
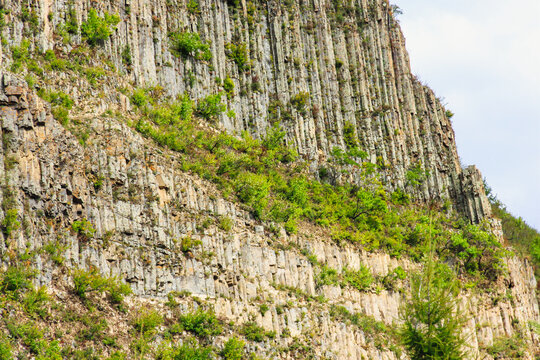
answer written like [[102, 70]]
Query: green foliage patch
[[97, 29], [185, 44], [266, 176]]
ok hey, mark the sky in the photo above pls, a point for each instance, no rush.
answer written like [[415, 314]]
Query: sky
[[483, 58]]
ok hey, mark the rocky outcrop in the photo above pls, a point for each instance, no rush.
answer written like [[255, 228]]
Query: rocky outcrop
[[142, 207], [346, 59]]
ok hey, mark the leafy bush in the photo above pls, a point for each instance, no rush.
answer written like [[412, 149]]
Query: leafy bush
[[185, 44], [188, 243], [139, 98], [416, 175], [35, 302], [202, 323], [210, 107], [88, 281], [147, 321], [189, 350], [327, 276], [228, 86], [226, 223], [193, 7], [299, 101], [253, 332], [84, 228], [97, 29], [10, 222], [239, 54], [360, 279], [253, 189], [19, 54], [16, 278], [233, 349]]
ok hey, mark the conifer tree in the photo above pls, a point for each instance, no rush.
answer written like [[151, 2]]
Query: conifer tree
[[431, 322]]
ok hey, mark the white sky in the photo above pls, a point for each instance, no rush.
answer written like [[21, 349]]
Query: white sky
[[483, 58]]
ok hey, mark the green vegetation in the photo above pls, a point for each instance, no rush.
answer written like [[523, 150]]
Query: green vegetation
[[61, 104], [254, 332], [210, 107], [508, 347], [190, 350], [299, 102], [83, 228], [360, 279], [524, 238], [20, 55], [202, 323], [432, 324], [193, 7], [10, 223], [228, 86], [265, 175], [147, 321], [188, 244], [239, 54], [233, 349], [97, 29], [185, 44], [377, 331], [90, 281], [15, 279]]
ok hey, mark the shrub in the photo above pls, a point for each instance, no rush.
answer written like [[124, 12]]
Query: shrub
[[228, 86], [233, 349], [327, 276], [20, 55], [188, 243], [126, 56], [193, 7], [210, 107], [86, 282], [189, 350], [147, 321], [239, 54], [16, 278], [226, 223], [254, 190], [360, 279], [185, 44], [299, 101], [202, 323], [35, 302], [416, 175], [139, 98], [97, 29], [83, 228], [10, 222], [253, 332]]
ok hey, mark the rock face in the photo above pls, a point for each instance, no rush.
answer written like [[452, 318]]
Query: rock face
[[144, 206], [346, 59], [350, 66]]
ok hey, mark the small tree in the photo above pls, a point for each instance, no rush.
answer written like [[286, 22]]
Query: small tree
[[432, 324], [98, 29]]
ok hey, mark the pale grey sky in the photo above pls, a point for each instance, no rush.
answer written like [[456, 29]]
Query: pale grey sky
[[483, 58]]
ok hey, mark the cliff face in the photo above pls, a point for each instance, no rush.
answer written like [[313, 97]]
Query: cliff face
[[345, 59], [351, 62], [145, 204]]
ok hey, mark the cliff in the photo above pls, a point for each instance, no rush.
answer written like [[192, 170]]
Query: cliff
[[319, 69]]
